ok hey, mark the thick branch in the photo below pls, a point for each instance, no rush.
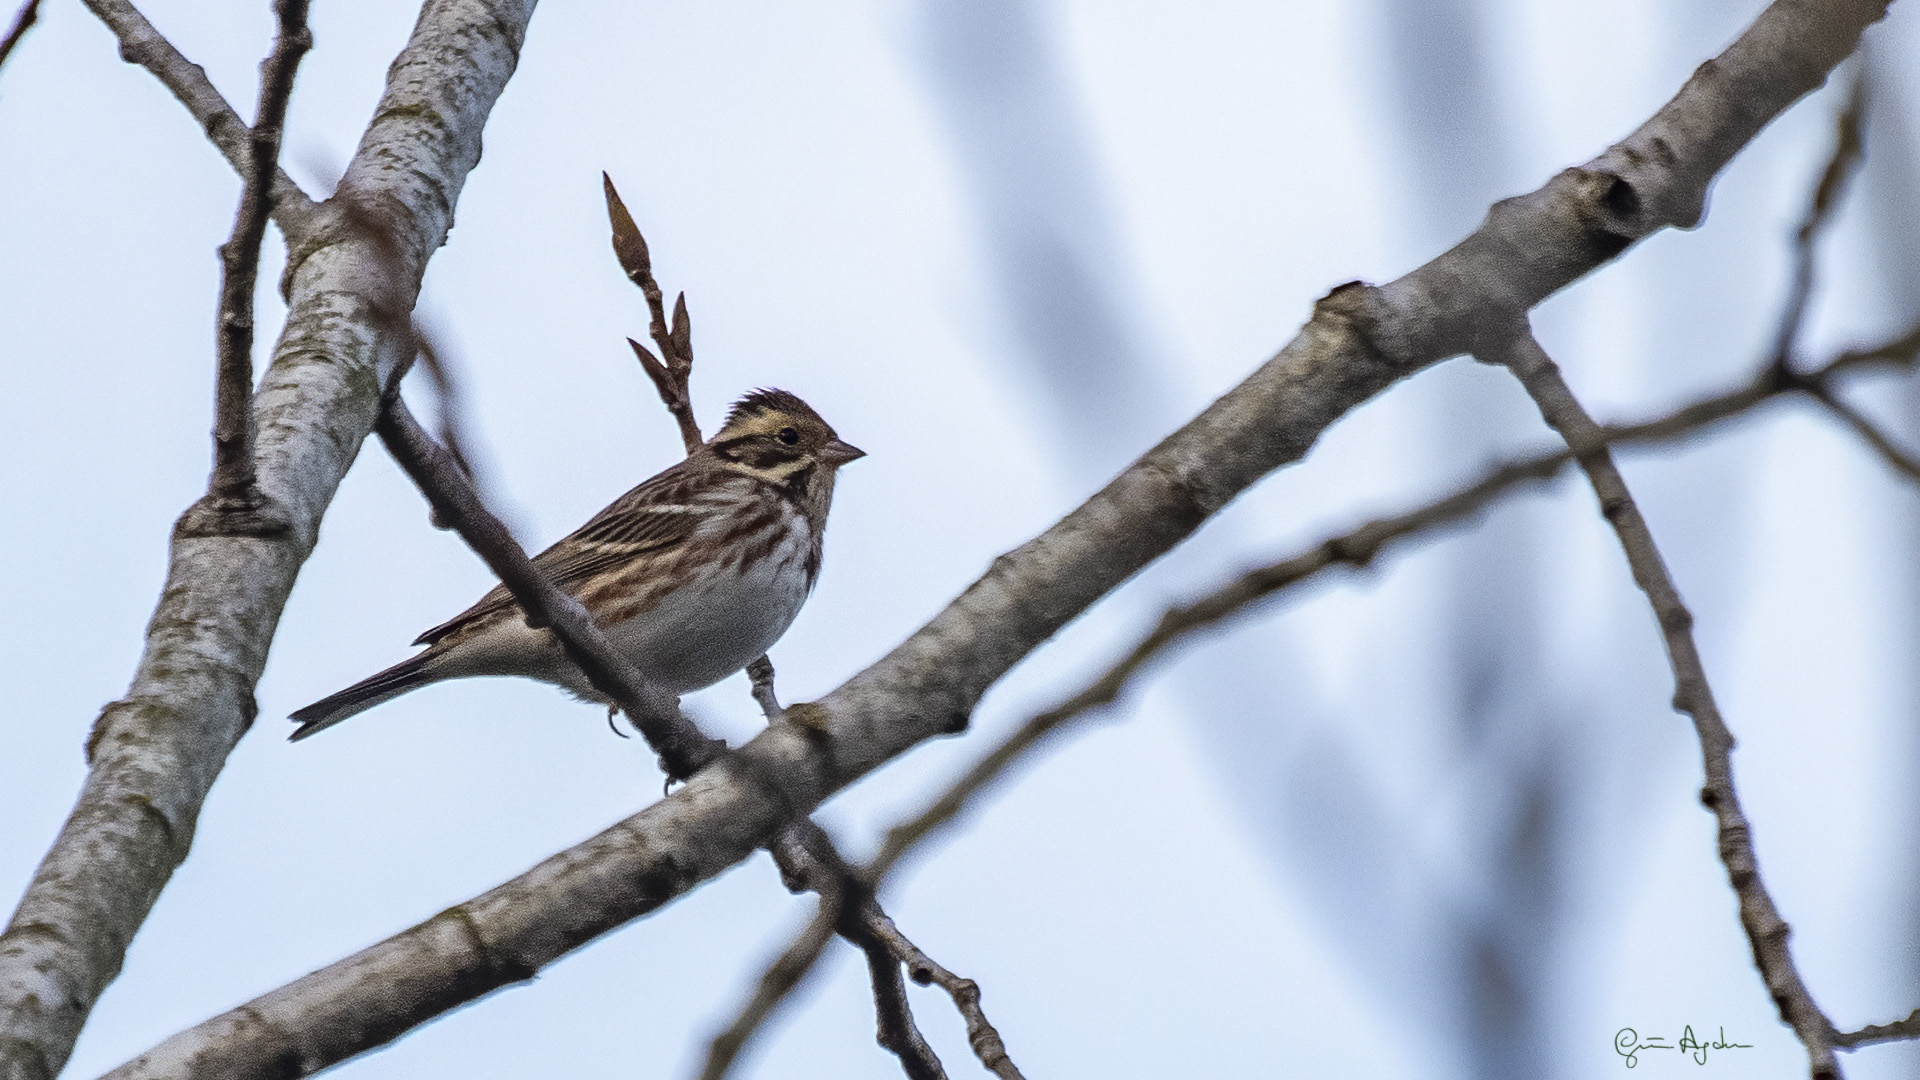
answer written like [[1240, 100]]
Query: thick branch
[[1356, 548], [1359, 341], [141, 44], [155, 753], [1766, 930]]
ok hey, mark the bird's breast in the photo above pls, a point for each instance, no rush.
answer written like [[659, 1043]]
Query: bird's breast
[[718, 618]]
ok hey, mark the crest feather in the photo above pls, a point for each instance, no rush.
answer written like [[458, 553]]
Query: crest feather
[[767, 400]]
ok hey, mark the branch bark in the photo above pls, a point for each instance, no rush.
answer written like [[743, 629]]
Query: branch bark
[[1359, 341], [1356, 548], [155, 753]]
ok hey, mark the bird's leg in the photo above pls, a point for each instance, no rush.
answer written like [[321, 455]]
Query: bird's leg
[[613, 711], [761, 672]]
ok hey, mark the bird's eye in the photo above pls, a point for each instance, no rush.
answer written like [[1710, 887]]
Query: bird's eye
[[789, 436]]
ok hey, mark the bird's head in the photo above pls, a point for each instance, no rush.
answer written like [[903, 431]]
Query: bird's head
[[773, 435]]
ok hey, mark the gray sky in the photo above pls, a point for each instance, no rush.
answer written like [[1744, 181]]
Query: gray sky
[[1132, 907]]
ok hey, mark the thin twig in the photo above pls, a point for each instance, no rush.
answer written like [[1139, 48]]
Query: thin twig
[[234, 504], [808, 860], [1841, 165], [898, 1032], [776, 984], [655, 713], [923, 969], [1908, 1028], [141, 44], [1766, 930], [21, 22], [676, 344], [1869, 432]]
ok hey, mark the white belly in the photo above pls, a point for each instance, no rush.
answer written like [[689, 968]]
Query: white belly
[[693, 637], [702, 633]]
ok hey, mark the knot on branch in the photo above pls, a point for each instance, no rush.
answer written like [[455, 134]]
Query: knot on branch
[[1355, 550], [1352, 311], [251, 514]]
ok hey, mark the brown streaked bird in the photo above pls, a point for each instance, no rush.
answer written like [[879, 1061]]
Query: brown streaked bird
[[692, 575]]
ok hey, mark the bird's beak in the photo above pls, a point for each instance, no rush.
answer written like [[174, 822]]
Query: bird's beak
[[839, 452]]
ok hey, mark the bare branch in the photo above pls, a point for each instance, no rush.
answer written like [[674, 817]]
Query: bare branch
[[1908, 1028], [1766, 930], [776, 984], [22, 22], [898, 1032], [1356, 549], [141, 44], [1359, 341], [154, 754], [1890, 452], [655, 712], [1841, 165], [234, 504], [921, 968]]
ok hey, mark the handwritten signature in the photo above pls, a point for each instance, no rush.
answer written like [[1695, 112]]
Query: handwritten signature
[[1628, 1044]]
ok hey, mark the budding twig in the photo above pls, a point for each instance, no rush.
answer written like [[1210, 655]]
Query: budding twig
[[676, 344], [804, 853]]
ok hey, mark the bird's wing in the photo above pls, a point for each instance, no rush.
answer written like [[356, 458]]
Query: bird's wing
[[649, 519]]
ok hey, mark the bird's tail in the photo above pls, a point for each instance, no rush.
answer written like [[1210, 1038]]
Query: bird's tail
[[362, 696]]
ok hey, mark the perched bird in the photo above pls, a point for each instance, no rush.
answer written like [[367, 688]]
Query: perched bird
[[692, 575]]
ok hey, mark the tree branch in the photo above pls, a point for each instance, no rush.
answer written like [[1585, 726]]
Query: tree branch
[[1356, 549], [1358, 342], [141, 44], [1766, 930], [1882, 444], [155, 753], [1848, 148], [1908, 1028], [981, 1035], [29, 13], [779, 981], [234, 504]]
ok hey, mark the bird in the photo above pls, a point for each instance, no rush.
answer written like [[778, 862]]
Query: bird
[[692, 575]]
